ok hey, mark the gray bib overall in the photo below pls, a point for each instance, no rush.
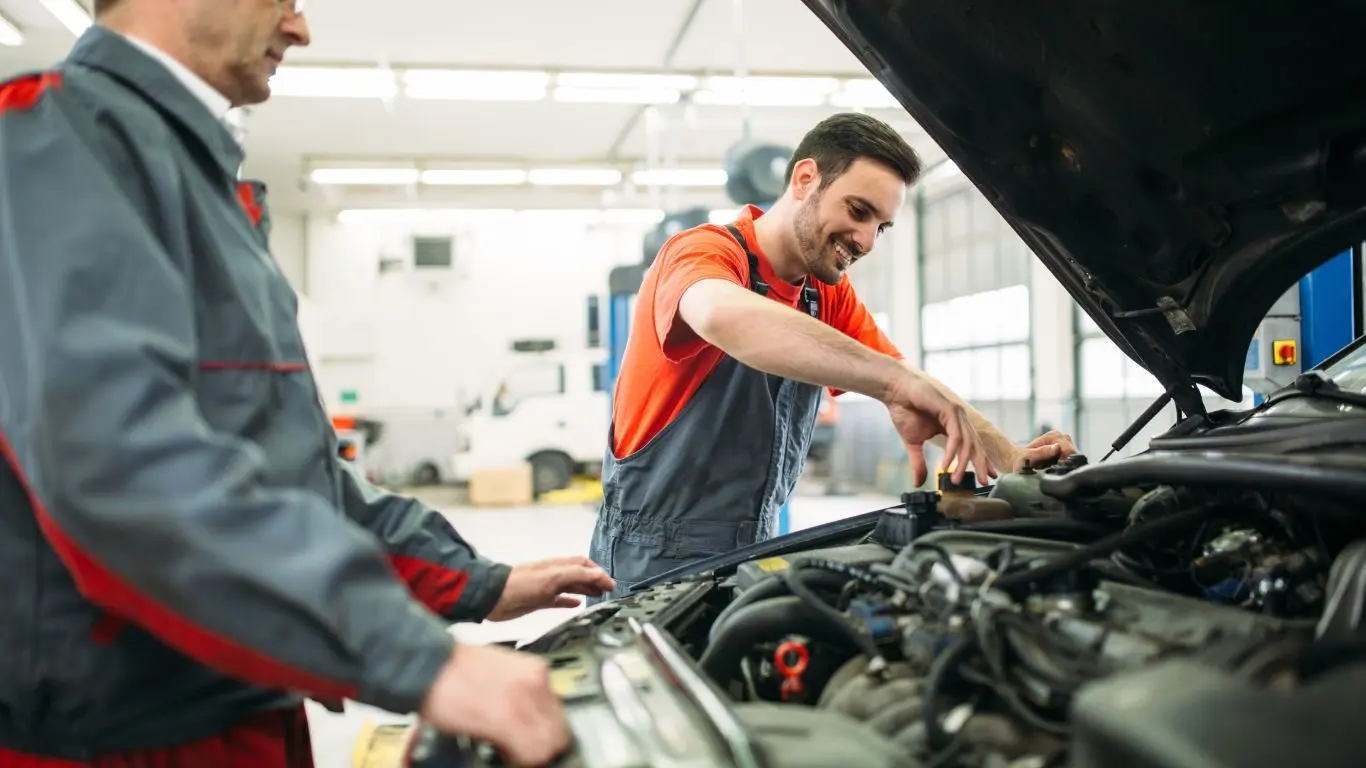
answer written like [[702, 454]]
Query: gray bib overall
[[715, 477]]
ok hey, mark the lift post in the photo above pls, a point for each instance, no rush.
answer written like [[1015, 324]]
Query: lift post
[[1330, 308], [623, 283]]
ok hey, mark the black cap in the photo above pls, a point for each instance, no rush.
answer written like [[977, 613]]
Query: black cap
[[946, 482]]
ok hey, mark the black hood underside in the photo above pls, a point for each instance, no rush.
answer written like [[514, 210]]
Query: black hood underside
[[1177, 164]]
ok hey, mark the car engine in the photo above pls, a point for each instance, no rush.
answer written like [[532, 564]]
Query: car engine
[[1009, 628]]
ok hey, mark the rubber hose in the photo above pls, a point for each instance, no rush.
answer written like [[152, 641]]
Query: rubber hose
[[796, 581], [1346, 430], [768, 587], [1103, 548], [1315, 475], [1064, 529], [767, 621]]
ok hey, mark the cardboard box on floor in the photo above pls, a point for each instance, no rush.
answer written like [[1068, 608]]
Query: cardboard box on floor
[[381, 746], [508, 487]]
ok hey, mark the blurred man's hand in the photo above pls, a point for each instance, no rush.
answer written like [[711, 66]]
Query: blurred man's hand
[[550, 584]]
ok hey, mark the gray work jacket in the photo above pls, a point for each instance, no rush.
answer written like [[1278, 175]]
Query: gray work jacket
[[181, 545]]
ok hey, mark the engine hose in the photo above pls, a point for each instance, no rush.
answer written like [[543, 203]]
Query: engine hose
[[796, 581], [940, 668], [1313, 475], [772, 586], [1063, 529], [1103, 548], [1345, 430], [849, 572], [766, 621]]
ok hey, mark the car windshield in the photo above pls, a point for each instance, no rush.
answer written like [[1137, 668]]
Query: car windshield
[[1348, 371]]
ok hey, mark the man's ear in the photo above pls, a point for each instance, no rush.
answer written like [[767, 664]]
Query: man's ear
[[806, 178]]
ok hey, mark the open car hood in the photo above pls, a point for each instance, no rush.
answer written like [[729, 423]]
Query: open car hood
[[1177, 165]]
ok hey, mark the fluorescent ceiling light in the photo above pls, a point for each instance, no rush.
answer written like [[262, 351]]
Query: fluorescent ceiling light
[[424, 216], [484, 177], [680, 177], [551, 216], [472, 85], [573, 94], [70, 14], [625, 81], [10, 34], [633, 216], [469, 216], [866, 93], [365, 176], [625, 217], [324, 82], [579, 177], [767, 91]]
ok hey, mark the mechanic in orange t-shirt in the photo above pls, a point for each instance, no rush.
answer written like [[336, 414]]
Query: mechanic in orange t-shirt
[[721, 381]]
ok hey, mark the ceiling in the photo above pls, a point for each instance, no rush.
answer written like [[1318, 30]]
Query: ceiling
[[290, 136]]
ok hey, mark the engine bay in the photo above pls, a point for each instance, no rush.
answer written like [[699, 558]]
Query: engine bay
[[1044, 622]]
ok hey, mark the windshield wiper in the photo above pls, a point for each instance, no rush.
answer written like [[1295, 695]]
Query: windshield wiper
[[1315, 385]]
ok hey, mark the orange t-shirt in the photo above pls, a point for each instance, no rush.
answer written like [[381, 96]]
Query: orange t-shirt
[[666, 362]]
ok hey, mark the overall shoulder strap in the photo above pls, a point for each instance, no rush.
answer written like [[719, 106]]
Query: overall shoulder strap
[[811, 296], [756, 283]]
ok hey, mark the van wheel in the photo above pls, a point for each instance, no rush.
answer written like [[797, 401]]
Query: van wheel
[[550, 472], [426, 473]]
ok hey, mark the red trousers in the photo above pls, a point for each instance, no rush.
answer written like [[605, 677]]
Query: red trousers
[[276, 739]]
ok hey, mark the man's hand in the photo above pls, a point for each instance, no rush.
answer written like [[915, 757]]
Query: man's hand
[[533, 586], [501, 696], [1046, 450], [919, 412]]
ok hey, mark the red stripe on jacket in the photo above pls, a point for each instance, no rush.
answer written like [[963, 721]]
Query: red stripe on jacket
[[101, 586], [22, 93], [246, 195], [436, 587]]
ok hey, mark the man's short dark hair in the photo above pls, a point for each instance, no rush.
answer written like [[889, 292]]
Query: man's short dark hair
[[837, 141]]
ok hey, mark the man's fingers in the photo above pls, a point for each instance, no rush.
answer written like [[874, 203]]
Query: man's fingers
[[583, 580], [569, 560], [916, 454], [1043, 455], [594, 577], [953, 444], [566, 601]]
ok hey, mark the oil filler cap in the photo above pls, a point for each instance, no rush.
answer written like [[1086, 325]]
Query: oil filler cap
[[969, 482]]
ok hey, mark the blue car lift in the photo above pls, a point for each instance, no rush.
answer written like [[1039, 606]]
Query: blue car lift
[[1330, 307], [623, 285], [1310, 323]]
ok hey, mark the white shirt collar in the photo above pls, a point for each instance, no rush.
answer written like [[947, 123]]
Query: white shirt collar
[[217, 104]]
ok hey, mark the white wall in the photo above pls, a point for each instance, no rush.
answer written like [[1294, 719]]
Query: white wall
[[413, 339], [289, 246]]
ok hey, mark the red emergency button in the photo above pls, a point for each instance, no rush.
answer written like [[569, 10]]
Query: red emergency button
[[1283, 352]]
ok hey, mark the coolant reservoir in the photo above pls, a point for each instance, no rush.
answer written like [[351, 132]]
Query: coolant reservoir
[[1021, 491], [958, 501]]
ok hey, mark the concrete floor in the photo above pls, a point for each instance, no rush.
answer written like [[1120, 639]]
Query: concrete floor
[[521, 535]]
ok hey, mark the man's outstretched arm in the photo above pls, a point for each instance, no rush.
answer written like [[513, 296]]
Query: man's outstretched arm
[[773, 338], [440, 567], [1004, 454], [766, 335]]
